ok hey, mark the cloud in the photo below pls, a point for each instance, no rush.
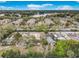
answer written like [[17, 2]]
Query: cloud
[[65, 7], [77, 1], [37, 7], [3, 1], [6, 8], [33, 6], [45, 5]]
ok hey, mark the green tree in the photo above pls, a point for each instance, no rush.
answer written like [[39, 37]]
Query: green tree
[[65, 48]]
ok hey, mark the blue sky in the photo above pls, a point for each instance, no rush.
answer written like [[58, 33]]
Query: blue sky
[[39, 5]]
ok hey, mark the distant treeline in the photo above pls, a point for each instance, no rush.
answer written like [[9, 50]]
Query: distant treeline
[[32, 12]]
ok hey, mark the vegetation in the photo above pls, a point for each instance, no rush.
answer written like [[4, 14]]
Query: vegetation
[[65, 48], [11, 54], [44, 42], [41, 27], [6, 30], [14, 22], [17, 37], [34, 54]]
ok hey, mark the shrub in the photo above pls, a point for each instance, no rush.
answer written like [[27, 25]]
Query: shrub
[[11, 54], [34, 54], [65, 48]]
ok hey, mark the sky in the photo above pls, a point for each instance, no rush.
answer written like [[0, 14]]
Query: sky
[[39, 5]]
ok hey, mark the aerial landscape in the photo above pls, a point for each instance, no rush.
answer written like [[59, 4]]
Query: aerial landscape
[[38, 32]]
